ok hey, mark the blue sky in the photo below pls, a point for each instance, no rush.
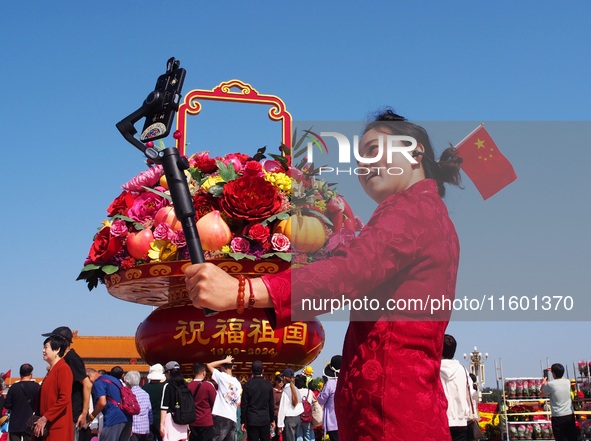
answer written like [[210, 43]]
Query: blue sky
[[72, 70]]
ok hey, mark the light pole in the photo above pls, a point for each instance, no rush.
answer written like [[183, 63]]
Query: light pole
[[477, 368]]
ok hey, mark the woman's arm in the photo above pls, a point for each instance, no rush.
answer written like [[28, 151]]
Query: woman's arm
[[64, 382], [211, 287]]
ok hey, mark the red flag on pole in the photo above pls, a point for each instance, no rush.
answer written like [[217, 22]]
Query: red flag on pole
[[484, 164], [7, 374]]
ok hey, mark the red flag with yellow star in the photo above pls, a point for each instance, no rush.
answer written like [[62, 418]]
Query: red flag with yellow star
[[484, 164]]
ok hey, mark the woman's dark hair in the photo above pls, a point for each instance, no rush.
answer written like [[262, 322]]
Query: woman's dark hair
[[175, 377], [449, 347], [300, 381], [446, 170], [57, 344]]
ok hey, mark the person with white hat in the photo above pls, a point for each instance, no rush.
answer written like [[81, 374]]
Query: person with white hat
[[154, 389], [327, 396]]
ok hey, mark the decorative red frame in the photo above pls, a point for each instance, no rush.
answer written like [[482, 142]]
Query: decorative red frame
[[223, 92]]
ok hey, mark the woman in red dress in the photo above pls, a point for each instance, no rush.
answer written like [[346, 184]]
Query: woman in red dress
[[406, 255], [55, 399]]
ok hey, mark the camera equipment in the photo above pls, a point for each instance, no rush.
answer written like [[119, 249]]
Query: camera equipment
[[159, 109]]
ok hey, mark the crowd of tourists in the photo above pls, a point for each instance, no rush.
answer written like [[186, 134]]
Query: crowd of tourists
[[73, 402]]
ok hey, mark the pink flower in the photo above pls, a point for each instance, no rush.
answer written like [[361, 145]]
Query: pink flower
[[280, 242], [178, 239], [119, 228], [240, 245], [147, 178], [145, 206], [163, 232], [272, 166], [237, 160]]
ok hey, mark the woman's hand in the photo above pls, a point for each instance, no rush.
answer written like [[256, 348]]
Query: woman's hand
[[40, 426], [211, 287]]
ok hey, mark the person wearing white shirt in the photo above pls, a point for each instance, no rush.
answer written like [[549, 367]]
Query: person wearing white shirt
[[227, 400], [563, 416], [290, 407]]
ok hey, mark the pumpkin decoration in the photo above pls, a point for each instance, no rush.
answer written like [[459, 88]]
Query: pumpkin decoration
[[306, 233]]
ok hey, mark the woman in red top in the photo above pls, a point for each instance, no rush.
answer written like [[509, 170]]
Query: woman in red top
[[389, 387], [55, 399]]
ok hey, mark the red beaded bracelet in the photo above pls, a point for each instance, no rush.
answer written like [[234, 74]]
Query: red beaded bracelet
[[240, 299], [251, 298]]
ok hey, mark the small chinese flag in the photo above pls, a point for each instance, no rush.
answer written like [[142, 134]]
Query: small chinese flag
[[7, 374], [484, 164]]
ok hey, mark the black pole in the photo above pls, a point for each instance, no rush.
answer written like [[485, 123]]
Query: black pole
[[162, 104]]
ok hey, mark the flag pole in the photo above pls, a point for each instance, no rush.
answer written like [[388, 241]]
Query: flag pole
[[469, 134]]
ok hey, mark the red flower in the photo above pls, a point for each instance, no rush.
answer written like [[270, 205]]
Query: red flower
[[204, 203], [203, 162], [128, 262], [250, 198], [258, 232], [121, 204], [105, 246], [253, 168]]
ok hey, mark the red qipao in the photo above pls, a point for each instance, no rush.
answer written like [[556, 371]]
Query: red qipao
[[389, 387], [56, 402]]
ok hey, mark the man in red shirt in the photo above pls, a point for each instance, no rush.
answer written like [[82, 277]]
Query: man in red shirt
[[204, 394]]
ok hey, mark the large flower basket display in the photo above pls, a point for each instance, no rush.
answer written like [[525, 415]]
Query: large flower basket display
[[256, 213]]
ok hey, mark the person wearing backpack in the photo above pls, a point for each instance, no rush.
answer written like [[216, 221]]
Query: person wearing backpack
[[169, 428], [106, 396], [21, 401], [204, 394], [142, 421], [305, 432], [257, 406]]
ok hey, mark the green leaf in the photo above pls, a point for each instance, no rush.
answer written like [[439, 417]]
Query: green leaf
[[196, 174], [238, 256], [284, 256], [217, 190], [281, 159], [92, 283], [260, 154], [159, 193], [283, 215], [110, 269], [90, 267], [317, 214], [123, 218], [227, 172]]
